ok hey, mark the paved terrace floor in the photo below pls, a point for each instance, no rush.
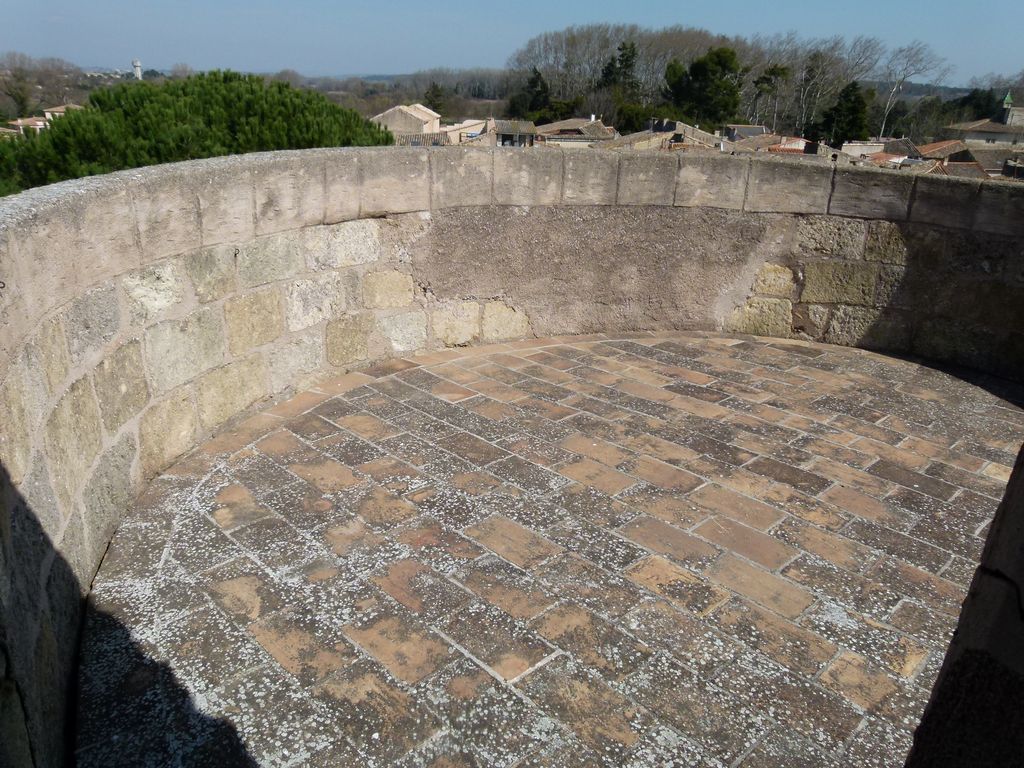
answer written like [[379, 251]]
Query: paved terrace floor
[[660, 550]]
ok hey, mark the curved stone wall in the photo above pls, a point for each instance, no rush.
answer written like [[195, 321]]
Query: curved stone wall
[[143, 310]]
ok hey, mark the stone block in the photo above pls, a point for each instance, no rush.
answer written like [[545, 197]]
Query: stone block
[[120, 385], [715, 181], [91, 322], [810, 320], [227, 208], [290, 362], [501, 321], [830, 236], [40, 498], [48, 353], [527, 177], [108, 495], [253, 319], [946, 201], [1000, 209], [212, 272], [788, 186], [74, 436], [167, 210], [179, 350], [868, 193], [406, 332], [343, 245], [889, 291], [832, 282], [309, 302], [166, 431], [647, 178], [456, 323], [289, 191], [269, 259], [347, 338], [227, 391], [15, 748], [387, 290], [393, 180], [867, 327], [886, 242], [591, 178], [153, 291], [460, 176], [15, 434], [762, 317], [342, 187], [776, 281]]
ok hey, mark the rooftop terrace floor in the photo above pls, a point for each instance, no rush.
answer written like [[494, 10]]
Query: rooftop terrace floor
[[660, 550]]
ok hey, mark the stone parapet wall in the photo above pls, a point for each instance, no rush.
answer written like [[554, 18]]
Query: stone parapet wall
[[143, 310]]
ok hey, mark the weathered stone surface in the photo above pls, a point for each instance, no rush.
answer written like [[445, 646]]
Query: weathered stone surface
[[347, 339], [120, 384], [501, 321], [269, 259], [788, 186], [406, 332], [999, 209], [309, 302], [775, 280], [810, 320], [456, 323], [167, 429], [289, 362], [212, 272], [387, 290], [108, 494], [178, 350], [827, 282], [227, 209], [886, 242], [152, 291], [712, 180], [591, 178], [253, 319], [889, 290], [461, 176], [167, 212], [762, 317], [92, 321], [342, 245], [948, 202], [342, 185], [49, 354], [227, 391], [868, 193], [868, 327], [15, 748], [831, 236], [393, 180], [15, 440], [73, 438], [289, 193], [527, 178], [647, 178]]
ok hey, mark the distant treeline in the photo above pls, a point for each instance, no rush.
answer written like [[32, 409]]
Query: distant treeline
[[218, 113]]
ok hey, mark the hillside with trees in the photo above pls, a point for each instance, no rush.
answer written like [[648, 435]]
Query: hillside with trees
[[139, 123]]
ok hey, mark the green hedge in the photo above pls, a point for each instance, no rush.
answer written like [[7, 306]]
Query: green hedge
[[216, 113]]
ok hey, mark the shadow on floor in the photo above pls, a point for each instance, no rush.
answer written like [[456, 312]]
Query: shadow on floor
[[46, 712]]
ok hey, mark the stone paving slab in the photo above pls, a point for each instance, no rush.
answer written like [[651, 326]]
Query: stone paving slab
[[647, 550]]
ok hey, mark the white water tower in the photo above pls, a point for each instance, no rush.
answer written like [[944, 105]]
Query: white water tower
[[137, 67]]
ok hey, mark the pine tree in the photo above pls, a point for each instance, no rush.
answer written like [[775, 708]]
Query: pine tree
[[847, 119]]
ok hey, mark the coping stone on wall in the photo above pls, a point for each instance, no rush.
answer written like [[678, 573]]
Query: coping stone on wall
[[460, 176], [945, 201], [289, 192], [868, 193], [227, 208], [784, 185], [341, 185], [527, 177], [714, 181], [166, 204], [393, 180], [591, 177], [647, 178], [1000, 208]]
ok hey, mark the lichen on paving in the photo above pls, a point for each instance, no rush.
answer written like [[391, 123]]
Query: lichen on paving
[[661, 549]]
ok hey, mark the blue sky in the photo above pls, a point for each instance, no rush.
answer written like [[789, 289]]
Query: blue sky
[[320, 37]]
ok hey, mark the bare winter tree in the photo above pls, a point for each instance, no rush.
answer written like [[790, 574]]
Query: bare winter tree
[[31, 83], [914, 60]]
